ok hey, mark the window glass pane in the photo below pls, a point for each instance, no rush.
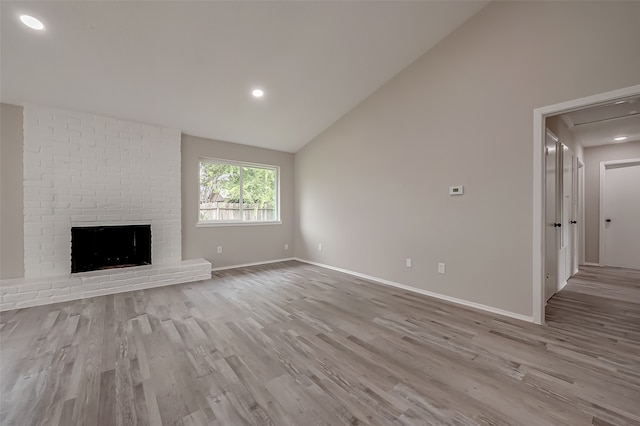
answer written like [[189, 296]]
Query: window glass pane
[[259, 194], [237, 192], [219, 192]]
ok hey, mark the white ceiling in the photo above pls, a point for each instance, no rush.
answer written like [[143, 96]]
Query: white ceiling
[[192, 65], [599, 125]]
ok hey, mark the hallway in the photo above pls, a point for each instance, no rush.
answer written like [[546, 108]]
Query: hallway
[[599, 311], [601, 298]]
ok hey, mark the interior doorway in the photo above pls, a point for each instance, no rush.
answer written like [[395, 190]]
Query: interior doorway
[[568, 216], [579, 236], [552, 215], [561, 214], [540, 219], [620, 213]]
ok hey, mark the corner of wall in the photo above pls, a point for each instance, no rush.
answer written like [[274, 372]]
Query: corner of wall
[[11, 204]]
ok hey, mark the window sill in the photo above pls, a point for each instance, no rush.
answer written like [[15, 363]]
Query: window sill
[[223, 224]]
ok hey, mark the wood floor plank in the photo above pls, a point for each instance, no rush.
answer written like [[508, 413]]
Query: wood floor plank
[[107, 406], [294, 344]]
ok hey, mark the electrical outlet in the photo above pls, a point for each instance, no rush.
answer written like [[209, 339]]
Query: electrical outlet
[[408, 262], [219, 249], [286, 246], [319, 246], [441, 268]]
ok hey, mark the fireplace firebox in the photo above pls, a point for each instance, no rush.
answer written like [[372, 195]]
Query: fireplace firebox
[[105, 247]]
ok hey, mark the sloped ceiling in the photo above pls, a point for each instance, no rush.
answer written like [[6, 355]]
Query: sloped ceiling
[[192, 65]]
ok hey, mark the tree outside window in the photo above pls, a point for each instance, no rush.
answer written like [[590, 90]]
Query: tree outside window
[[238, 192]]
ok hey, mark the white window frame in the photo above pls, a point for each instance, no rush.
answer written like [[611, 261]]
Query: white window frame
[[241, 164]]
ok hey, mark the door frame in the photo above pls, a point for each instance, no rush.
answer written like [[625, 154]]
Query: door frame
[[557, 211], [571, 231], [581, 214], [603, 168], [539, 115]]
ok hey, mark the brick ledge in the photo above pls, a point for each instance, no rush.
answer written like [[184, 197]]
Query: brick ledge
[[25, 292]]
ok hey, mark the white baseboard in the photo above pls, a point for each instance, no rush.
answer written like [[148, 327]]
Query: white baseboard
[[244, 265], [591, 264], [424, 292]]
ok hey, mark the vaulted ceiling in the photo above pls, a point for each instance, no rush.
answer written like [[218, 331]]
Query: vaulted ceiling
[[193, 65]]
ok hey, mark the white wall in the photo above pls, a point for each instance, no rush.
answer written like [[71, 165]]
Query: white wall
[[373, 187], [11, 214]]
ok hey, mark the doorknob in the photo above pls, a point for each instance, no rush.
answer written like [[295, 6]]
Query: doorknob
[[573, 222], [608, 220], [557, 225]]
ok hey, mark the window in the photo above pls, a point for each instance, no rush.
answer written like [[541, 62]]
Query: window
[[232, 192]]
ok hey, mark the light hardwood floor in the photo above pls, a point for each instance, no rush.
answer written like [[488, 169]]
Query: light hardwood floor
[[295, 344]]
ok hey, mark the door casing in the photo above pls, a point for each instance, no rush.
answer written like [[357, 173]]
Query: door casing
[[567, 196], [552, 214], [538, 228], [603, 169]]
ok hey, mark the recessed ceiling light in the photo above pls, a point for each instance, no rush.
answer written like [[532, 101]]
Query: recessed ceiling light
[[257, 93], [620, 138], [32, 22]]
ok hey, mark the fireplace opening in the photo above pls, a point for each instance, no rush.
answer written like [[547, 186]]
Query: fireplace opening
[[105, 247]]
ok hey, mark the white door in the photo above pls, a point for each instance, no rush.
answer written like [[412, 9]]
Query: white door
[[552, 236], [565, 264], [620, 214], [578, 223]]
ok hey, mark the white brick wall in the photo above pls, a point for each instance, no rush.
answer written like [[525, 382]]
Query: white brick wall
[[83, 169]]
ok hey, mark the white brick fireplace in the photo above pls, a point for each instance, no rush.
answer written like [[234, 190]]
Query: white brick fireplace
[[86, 170]]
